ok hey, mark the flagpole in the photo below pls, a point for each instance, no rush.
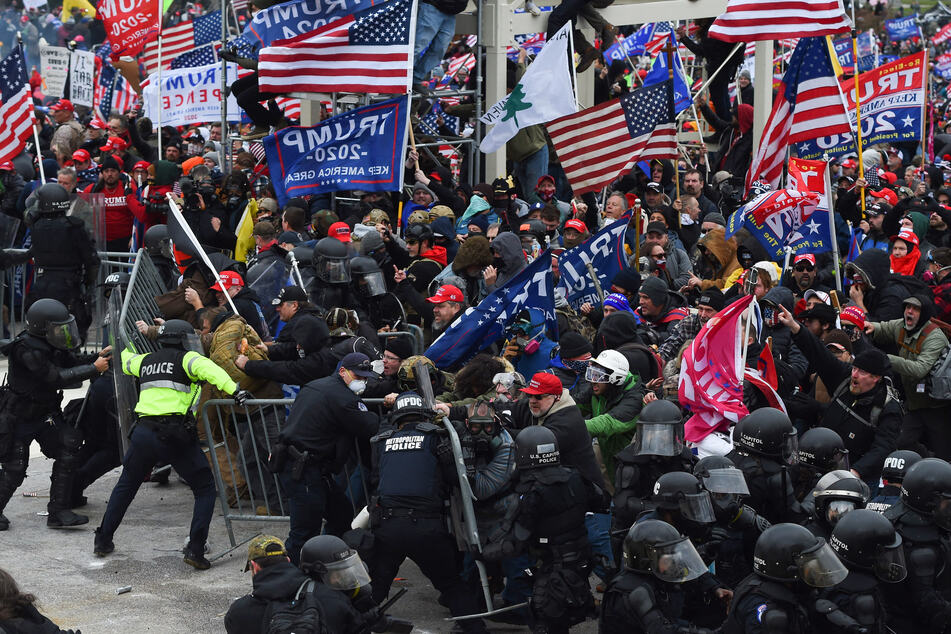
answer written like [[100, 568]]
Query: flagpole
[[858, 109], [924, 114], [571, 61], [226, 148], [693, 106], [717, 71], [836, 262], [159, 87], [669, 51], [36, 134]]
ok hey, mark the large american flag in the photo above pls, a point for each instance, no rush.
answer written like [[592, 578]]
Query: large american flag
[[16, 105], [182, 38], [597, 144], [368, 51], [751, 20], [659, 37], [809, 105]]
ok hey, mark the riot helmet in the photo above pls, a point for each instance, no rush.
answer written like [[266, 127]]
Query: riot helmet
[[157, 242], [52, 199], [337, 565], [535, 447], [659, 430], [656, 547], [767, 432], [789, 552], [726, 484], [419, 232], [681, 491], [50, 319], [822, 450], [367, 277], [119, 279], [866, 540], [927, 490], [178, 333], [332, 261], [897, 465], [839, 498], [609, 367], [410, 404], [406, 375]]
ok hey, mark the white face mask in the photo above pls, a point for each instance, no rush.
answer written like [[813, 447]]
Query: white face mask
[[357, 386]]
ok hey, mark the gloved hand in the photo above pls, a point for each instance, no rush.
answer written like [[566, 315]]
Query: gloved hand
[[228, 54], [241, 396]]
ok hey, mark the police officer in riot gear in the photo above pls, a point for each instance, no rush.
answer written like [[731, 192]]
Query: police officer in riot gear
[[159, 247], [413, 470], [923, 519], [834, 501], [657, 448], [64, 256], [788, 563], [870, 548], [369, 286], [165, 431], [646, 595], [42, 364], [821, 450], [764, 449], [331, 283], [896, 466], [548, 522]]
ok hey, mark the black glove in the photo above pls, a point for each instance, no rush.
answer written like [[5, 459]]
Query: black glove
[[228, 54], [240, 396]]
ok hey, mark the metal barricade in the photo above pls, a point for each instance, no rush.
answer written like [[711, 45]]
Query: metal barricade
[[413, 339]]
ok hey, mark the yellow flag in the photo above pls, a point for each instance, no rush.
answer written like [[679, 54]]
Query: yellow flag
[[836, 66], [245, 240], [89, 11]]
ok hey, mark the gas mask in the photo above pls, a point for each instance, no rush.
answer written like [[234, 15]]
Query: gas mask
[[529, 344], [482, 427]]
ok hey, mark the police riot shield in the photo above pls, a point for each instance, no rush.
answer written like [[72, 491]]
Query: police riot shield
[[126, 389], [267, 279]]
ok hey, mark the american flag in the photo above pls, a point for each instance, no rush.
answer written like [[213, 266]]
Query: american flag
[[182, 38], [531, 42], [786, 42], [467, 61], [430, 125], [751, 20], [455, 161], [112, 92], [659, 37], [368, 51], [809, 105], [201, 56], [240, 5], [16, 105], [597, 144], [471, 40]]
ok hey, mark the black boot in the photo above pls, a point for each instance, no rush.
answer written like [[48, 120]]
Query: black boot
[[61, 490], [196, 557], [102, 545], [4, 522], [11, 477]]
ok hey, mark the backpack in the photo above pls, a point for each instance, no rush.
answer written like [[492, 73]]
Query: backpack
[[300, 615], [938, 381]]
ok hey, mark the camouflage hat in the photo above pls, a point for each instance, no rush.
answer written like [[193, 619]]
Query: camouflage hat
[[406, 375], [441, 211], [264, 546], [418, 217], [323, 219], [377, 217]]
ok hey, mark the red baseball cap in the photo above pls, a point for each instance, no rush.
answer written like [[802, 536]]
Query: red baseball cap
[[229, 279], [908, 236], [808, 257], [447, 293], [141, 165], [98, 124], [891, 177], [577, 225], [115, 143], [62, 104], [544, 383], [7, 166], [81, 155], [340, 231], [854, 315], [890, 196], [849, 164]]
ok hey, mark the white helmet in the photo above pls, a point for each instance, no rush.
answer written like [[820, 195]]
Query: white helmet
[[610, 367]]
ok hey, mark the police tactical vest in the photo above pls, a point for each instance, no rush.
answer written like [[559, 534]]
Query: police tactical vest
[[164, 368], [55, 244], [409, 471], [770, 596]]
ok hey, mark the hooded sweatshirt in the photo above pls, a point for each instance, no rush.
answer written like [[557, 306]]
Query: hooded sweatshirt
[[724, 251], [509, 247], [883, 296]]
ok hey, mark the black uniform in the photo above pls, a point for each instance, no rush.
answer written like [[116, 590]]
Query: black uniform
[[762, 606], [655, 608], [295, 356], [858, 597], [771, 487]]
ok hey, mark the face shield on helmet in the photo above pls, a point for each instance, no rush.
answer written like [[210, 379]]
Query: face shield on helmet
[[889, 563], [942, 512], [697, 507], [663, 439], [347, 574], [191, 342], [820, 567], [333, 270], [726, 481], [790, 448], [63, 334], [836, 509], [371, 284], [676, 562], [597, 374], [507, 385]]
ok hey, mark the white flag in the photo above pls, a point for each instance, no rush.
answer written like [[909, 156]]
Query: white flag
[[544, 94]]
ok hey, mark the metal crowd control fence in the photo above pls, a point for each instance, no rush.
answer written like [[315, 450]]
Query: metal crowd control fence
[[414, 340]]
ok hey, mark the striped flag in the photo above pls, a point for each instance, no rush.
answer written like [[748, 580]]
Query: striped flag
[[462, 61], [658, 37], [597, 144], [201, 56], [751, 20], [16, 105], [368, 51], [182, 38], [112, 93], [808, 105]]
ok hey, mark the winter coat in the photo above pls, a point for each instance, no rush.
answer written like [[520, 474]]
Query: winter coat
[[885, 296], [724, 252], [612, 418], [299, 353], [509, 247], [913, 366], [791, 363]]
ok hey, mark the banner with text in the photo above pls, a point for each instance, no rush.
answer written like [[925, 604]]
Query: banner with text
[[130, 24], [893, 103], [54, 61], [190, 95], [902, 28], [361, 149], [604, 251], [82, 73]]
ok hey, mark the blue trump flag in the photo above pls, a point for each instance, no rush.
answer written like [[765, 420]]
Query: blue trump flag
[[479, 326], [659, 72], [290, 19], [360, 149], [902, 28], [605, 252], [634, 44], [784, 218]]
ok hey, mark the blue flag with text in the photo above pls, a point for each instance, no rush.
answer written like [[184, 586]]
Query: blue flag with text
[[605, 252]]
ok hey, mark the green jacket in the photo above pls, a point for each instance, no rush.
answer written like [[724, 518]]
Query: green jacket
[[913, 368], [160, 401], [612, 419]]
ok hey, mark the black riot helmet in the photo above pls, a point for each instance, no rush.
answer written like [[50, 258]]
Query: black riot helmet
[[927, 490], [119, 279], [336, 564], [659, 430], [367, 277], [157, 242], [332, 261], [897, 465], [822, 450], [52, 199], [867, 541], [50, 319], [536, 446], [682, 491], [726, 484], [419, 232], [767, 432], [178, 333], [410, 404], [656, 547], [789, 552], [839, 498]]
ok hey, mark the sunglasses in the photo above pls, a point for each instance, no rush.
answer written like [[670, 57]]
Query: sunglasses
[[538, 397], [800, 268]]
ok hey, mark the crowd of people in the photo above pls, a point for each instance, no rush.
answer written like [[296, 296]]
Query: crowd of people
[[826, 506]]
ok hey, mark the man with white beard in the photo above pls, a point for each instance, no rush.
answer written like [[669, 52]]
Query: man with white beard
[[448, 302]]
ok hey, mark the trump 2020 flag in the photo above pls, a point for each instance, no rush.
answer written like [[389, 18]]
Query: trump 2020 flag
[[544, 93], [481, 325], [660, 73], [605, 252], [903, 28], [784, 218], [360, 149]]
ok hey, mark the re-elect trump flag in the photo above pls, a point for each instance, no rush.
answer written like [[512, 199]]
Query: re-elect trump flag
[[784, 218], [479, 326], [360, 149], [605, 252]]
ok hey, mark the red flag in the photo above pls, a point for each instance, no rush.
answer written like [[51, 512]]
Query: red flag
[[751, 20], [767, 365], [129, 24]]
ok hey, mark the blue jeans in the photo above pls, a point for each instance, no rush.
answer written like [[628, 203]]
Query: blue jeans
[[599, 534], [434, 31], [145, 451], [529, 170]]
